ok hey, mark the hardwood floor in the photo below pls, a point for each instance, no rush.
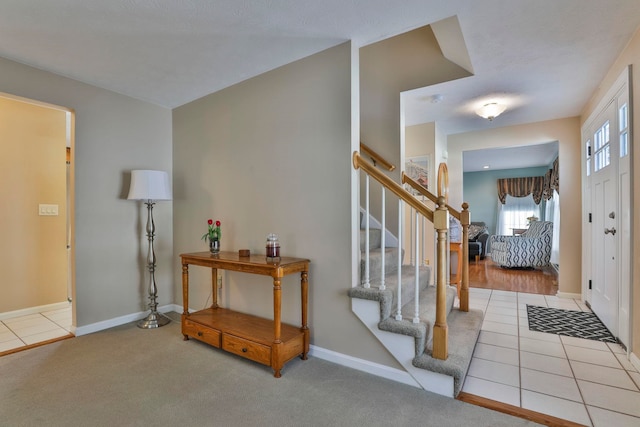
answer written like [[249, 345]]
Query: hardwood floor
[[489, 275]]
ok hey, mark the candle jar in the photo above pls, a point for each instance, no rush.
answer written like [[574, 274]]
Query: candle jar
[[273, 246]]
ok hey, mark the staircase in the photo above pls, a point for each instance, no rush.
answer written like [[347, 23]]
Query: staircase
[[414, 353], [425, 330]]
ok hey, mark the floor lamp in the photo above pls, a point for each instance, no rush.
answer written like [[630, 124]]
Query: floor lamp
[[150, 186]]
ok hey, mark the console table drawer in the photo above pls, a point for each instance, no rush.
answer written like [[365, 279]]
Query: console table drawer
[[245, 348], [201, 332]]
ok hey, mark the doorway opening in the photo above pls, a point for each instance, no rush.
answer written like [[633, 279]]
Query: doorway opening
[[36, 179]]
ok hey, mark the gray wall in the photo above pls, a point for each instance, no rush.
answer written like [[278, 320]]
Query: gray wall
[[113, 135], [273, 154]]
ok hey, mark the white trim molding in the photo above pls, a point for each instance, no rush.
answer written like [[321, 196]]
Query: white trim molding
[[569, 295], [117, 321], [363, 365], [34, 310]]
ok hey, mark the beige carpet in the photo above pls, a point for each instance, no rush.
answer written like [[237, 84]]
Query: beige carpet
[[127, 376]]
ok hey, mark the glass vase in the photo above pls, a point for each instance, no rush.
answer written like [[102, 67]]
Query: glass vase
[[214, 246]]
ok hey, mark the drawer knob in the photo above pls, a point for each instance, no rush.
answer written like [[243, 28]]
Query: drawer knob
[[199, 333], [244, 350]]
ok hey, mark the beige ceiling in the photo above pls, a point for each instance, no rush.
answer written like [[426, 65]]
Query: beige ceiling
[[545, 57]]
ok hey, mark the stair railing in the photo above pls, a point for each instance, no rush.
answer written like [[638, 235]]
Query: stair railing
[[440, 220], [375, 157], [464, 217]]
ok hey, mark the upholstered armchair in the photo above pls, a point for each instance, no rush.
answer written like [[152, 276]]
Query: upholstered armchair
[[478, 236], [530, 249]]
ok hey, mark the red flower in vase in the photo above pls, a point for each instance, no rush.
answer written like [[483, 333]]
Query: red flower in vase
[[213, 232]]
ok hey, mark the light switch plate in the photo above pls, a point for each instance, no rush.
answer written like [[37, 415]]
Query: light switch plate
[[48, 210]]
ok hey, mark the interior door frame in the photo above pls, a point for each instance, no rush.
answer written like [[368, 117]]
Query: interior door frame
[[625, 247], [70, 118]]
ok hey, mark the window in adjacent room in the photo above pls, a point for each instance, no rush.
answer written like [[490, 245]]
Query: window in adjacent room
[[514, 213]]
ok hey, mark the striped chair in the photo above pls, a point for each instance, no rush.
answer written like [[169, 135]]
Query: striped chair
[[530, 249]]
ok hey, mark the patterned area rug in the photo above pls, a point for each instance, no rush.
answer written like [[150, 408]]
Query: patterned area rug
[[577, 324]]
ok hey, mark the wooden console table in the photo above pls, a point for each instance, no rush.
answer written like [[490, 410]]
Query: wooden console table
[[265, 341]]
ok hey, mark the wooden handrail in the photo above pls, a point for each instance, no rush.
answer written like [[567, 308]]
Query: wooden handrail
[[375, 157], [406, 179], [391, 185]]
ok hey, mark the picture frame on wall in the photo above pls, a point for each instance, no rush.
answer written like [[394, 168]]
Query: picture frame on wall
[[418, 168]]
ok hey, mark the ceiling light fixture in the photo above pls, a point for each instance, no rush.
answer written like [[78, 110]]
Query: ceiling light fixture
[[491, 110]]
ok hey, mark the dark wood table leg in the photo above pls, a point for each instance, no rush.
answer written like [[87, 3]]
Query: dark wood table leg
[[304, 283], [276, 362], [185, 294], [214, 288]]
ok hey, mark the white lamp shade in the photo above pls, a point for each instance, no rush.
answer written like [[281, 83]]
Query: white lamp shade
[[149, 185]]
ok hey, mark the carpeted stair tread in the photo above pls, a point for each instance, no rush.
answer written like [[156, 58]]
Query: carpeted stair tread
[[422, 330], [419, 330], [375, 238], [388, 297], [375, 263], [384, 297], [464, 328], [427, 306]]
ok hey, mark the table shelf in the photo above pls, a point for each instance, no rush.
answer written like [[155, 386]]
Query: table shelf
[[266, 341]]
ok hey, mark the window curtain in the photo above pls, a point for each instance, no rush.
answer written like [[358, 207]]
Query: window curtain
[[552, 213], [514, 213], [554, 182], [551, 181], [521, 187], [541, 187]]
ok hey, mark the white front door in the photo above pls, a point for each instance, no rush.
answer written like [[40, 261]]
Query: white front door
[[604, 194], [608, 144]]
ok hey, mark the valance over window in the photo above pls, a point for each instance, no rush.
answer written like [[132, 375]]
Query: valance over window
[[521, 187], [538, 186]]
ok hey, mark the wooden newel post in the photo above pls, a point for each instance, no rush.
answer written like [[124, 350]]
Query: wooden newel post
[[440, 330], [465, 219]]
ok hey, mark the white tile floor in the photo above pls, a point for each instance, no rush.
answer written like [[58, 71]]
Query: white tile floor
[[31, 329], [584, 381]]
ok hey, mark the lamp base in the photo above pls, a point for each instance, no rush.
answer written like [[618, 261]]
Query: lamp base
[[153, 320]]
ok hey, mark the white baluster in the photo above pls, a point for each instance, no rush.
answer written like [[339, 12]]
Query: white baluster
[[399, 313], [411, 254], [416, 314], [365, 281], [383, 241], [422, 239]]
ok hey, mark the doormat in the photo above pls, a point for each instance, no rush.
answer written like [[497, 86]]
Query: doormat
[[578, 324]]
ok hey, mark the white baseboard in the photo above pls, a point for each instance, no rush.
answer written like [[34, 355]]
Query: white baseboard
[[363, 365], [569, 295], [174, 307], [117, 321], [34, 310]]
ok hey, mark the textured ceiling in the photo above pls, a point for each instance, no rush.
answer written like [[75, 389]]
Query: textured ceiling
[[510, 157], [543, 57]]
